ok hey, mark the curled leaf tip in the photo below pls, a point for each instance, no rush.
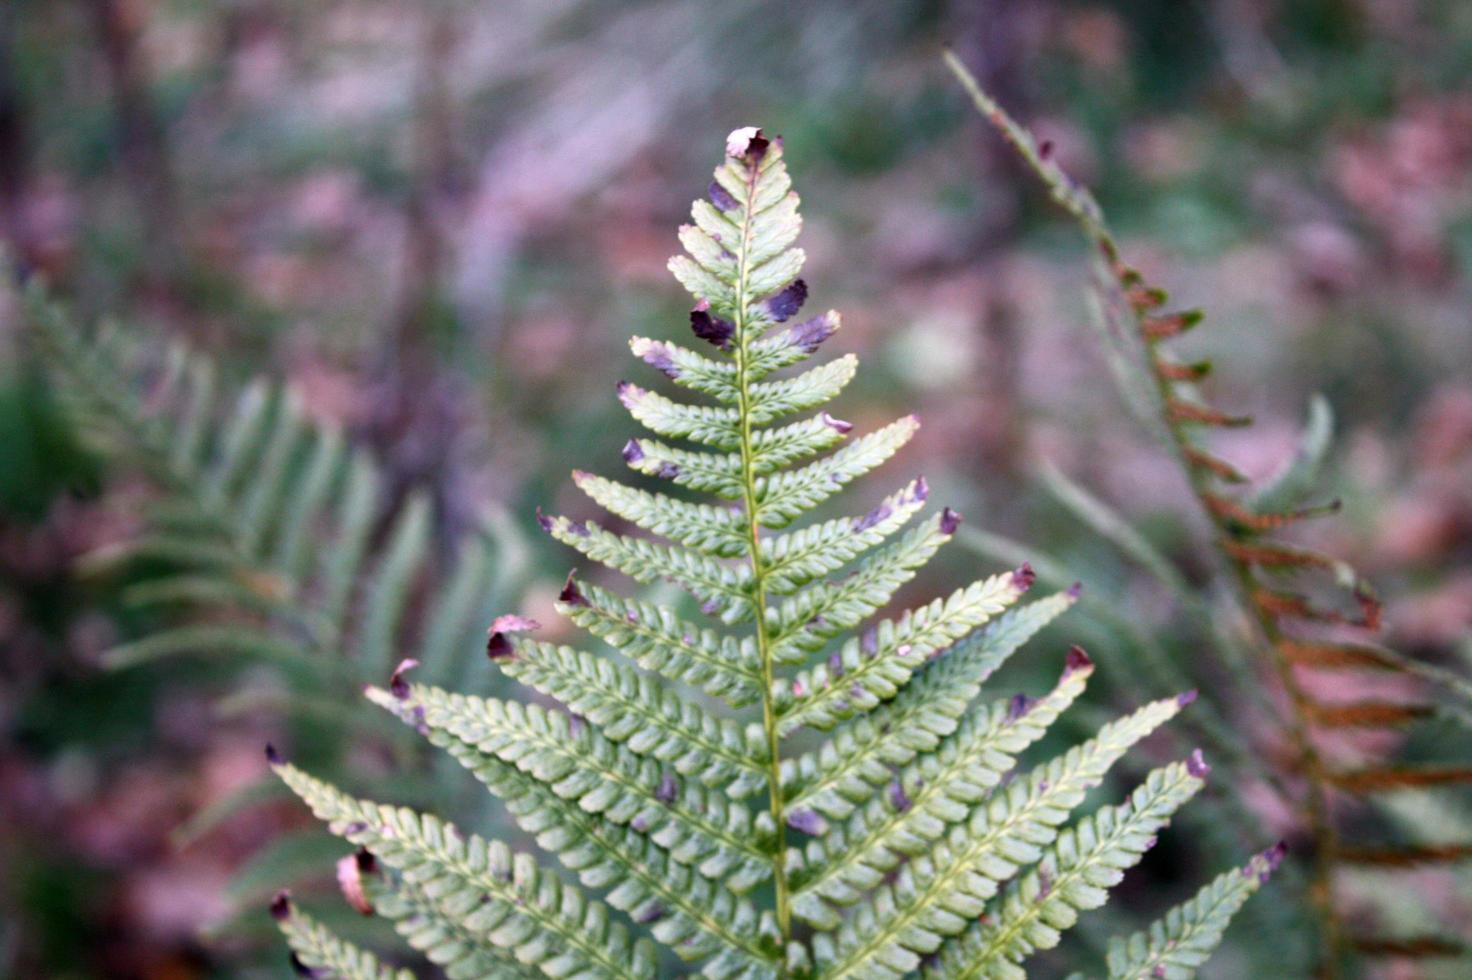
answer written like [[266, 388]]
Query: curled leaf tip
[[747, 143], [949, 521], [570, 593], [543, 521], [1196, 764], [837, 425], [922, 490], [1077, 659], [1024, 577], [633, 452], [498, 647], [397, 684], [281, 906], [711, 329], [350, 871], [272, 756]]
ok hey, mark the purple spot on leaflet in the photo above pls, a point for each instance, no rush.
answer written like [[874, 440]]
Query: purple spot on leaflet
[[721, 197]]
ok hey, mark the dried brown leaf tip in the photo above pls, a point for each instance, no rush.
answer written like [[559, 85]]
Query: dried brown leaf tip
[[397, 685], [949, 521], [281, 906], [273, 757], [1024, 577], [711, 329], [570, 593], [748, 143], [350, 872], [498, 646], [1076, 660], [1196, 764]]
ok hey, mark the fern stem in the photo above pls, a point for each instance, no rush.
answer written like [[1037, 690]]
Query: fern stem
[[758, 580]]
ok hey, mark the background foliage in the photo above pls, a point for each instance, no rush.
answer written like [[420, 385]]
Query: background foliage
[[420, 216]]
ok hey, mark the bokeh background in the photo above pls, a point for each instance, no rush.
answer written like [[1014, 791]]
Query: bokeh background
[[442, 219]]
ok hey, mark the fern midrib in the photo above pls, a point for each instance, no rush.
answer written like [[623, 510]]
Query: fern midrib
[[758, 573]]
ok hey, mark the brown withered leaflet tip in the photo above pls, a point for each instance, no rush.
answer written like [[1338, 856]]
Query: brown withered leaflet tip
[[709, 328], [396, 684], [1045, 149], [1024, 577], [783, 304], [281, 906], [498, 647], [350, 880], [949, 521], [922, 490], [1196, 764], [747, 143], [272, 756], [1077, 659], [570, 593], [1186, 697], [544, 521], [1075, 590], [512, 623], [633, 452]]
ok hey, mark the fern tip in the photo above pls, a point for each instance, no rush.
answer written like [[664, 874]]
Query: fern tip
[[837, 425], [1186, 697], [570, 594], [396, 683], [711, 329], [950, 520], [1023, 577], [1074, 591], [747, 143], [1196, 764], [281, 906], [350, 873], [1077, 659], [274, 757]]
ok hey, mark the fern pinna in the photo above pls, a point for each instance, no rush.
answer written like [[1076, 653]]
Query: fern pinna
[[909, 840], [1298, 637]]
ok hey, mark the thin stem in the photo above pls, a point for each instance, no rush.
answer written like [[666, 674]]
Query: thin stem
[[759, 589]]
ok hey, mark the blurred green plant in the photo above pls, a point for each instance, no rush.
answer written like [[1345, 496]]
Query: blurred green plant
[[270, 543]]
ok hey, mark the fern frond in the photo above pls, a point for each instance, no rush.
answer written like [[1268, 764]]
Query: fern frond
[[435, 931], [317, 953], [635, 709], [698, 827], [1173, 947], [691, 914], [517, 906], [894, 832], [852, 765], [1074, 875], [937, 895]]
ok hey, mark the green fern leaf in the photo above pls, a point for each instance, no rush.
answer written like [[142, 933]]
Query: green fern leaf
[[1173, 947], [316, 952]]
